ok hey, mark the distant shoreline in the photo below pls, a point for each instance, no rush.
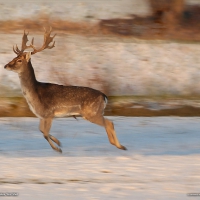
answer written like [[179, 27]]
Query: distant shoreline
[[120, 106]]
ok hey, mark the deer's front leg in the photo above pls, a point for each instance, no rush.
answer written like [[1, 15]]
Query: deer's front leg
[[45, 126]]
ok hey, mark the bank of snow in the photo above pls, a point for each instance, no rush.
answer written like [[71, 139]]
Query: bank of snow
[[162, 161]]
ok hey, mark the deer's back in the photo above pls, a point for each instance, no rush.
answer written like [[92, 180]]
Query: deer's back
[[53, 94]]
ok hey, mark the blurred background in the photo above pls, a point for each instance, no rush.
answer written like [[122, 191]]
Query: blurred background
[[143, 54]]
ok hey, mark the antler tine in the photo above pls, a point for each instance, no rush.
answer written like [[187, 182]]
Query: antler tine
[[45, 30], [24, 46], [32, 41], [32, 46], [15, 50], [53, 45], [24, 40], [50, 29]]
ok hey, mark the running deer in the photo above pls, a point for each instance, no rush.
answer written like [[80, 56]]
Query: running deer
[[47, 100]]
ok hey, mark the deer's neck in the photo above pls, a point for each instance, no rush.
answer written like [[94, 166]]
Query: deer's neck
[[28, 80]]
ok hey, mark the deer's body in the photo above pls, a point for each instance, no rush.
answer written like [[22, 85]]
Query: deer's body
[[47, 100]]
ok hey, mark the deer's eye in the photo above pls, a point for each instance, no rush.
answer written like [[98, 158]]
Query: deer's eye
[[19, 61]]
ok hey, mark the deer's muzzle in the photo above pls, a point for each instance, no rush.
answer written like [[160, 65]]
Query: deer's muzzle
[[7, 67]]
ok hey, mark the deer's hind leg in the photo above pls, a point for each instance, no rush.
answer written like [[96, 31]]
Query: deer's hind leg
[[45, 126], [109, 126], [94, 114]]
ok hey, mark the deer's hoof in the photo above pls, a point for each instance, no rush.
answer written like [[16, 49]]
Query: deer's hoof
[[122, 147], [58, 150]]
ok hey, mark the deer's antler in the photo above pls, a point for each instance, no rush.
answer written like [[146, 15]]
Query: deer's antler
[[24, 46], [47, 40]]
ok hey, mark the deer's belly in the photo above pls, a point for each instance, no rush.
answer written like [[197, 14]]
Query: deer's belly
[[67, 111]]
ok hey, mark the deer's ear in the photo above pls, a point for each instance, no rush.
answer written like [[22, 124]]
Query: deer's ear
[[28, 56]]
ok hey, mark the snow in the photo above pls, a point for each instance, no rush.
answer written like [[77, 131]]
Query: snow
[[162, 160]]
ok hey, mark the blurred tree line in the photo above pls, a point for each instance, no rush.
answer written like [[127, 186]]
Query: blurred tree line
[[168, 12]]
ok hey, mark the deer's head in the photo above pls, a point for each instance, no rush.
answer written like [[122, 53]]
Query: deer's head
[[20, 63]]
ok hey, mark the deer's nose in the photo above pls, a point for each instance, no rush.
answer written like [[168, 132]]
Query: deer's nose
[[5, 66]]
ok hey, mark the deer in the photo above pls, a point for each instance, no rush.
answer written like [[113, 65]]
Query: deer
[[49, 100]]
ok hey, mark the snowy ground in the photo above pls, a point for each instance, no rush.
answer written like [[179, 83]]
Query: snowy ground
[[162, 161]]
